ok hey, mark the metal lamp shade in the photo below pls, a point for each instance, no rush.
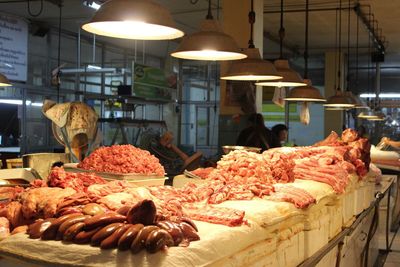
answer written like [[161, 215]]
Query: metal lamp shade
[[252, 68], [339, 100], [290, 78], [4, 82], [306, 93], [360, 104], [369, 114], [379, 116], [210, 43], [133, 19]]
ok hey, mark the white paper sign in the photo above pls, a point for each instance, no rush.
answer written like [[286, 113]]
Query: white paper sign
[[13, 47]]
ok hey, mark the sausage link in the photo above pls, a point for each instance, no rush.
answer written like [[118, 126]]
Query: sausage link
[[112, 240], [139, 242], [65, 225], [72, 231], [157, 240], [36, 229], [51, 232], [103, 219], [104, 232], [84, 237], [127, 238]]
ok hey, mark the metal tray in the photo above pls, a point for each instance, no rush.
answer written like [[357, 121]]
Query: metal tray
[[72, 167]]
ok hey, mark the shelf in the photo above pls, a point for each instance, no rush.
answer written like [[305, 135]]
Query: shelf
[[124, 99], [126, 122]]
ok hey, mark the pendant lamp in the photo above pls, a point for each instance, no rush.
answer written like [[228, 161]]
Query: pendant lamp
[[373, 115], [307, 93], [290, 78], [353, 98], [133, 19], [210, 43], [360, 103], [253, 67], [339, 100], [4, 82], [369, 114]]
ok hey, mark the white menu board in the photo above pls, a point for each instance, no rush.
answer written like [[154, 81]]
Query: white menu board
[[13, 47]]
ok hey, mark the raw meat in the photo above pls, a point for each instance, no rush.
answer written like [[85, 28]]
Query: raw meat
[[13, 212], [43, 201], [349, 135], [280, 164], [121, 159], [323, 169], [11, 192], [203, 173], [117, 200], [100, 190], [58, 177], [299, 197], [4, 228], [218, 215]]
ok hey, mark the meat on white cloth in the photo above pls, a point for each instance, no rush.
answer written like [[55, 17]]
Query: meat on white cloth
[[4, 228], [212, 214], [299, 197]]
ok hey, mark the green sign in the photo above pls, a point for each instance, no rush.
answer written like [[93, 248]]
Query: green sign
[[272, 112], [151, 83]]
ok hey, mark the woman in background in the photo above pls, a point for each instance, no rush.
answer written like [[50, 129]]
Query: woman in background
[[281, 132]]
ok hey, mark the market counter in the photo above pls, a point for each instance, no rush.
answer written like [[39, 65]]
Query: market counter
[[276, 234]]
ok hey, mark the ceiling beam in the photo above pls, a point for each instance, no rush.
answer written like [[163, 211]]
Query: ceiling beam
[[291, 48], [370, 25]]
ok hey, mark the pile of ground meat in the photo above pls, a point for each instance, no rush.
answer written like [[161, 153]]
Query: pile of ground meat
[[120, 159]]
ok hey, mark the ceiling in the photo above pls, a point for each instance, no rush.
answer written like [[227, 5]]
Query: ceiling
[[321, 26]]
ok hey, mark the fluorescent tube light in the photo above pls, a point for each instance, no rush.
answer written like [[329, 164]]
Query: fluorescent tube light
[[92, 4], [381, 95]]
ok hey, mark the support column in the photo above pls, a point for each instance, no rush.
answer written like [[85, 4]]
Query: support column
[[236, 24], [333, 120]]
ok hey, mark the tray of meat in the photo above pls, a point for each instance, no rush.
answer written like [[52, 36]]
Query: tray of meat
[[137, 178], [199, 173], [122, 162]]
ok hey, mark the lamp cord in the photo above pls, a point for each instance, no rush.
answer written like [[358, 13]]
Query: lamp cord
[[252, 20], [340, 43], [59, 53], [348, 51], [209, 14], [306, 45], [369, 62], [281, 33], [358, 28], [336, 46]]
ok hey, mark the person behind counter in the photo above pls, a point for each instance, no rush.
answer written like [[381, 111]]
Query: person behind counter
[[388, 141], [257, 134], [281, 132]]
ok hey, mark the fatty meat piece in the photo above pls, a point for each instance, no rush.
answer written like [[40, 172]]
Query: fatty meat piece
[[43, 201], [218, 215], [58, 177], [288, 193]]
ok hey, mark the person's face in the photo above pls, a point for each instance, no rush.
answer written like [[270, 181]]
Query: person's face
[[283, 135]]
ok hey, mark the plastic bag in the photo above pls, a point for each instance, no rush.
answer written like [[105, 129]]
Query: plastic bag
[[305, 113], [279, 95]]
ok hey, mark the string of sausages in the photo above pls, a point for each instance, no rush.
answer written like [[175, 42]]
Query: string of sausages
[[136, 230]]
